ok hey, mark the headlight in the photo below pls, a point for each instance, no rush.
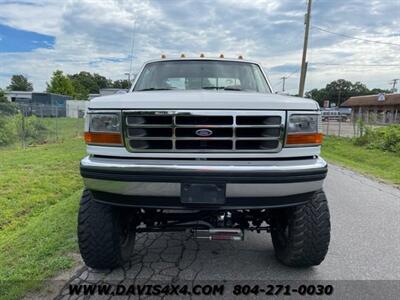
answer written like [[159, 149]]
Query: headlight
[[304, 130], [103, 129], [104, 123]]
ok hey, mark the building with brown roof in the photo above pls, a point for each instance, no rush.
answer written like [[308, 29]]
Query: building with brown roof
[[382, 108]]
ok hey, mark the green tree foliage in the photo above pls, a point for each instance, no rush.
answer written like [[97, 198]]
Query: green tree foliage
[[121, 84], [81, 84], [20, 83], [340, 90], [102, 82], [61, 84], [3, 97], [86, 83]]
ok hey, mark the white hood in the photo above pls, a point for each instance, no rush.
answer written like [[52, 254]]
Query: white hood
[[202, 100]]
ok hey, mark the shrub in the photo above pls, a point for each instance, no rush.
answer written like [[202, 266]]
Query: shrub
[[31, 130], [7, 131], [384, 138], [7, 109]]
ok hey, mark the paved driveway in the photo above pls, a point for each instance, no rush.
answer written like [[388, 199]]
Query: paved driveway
[[365, 246]]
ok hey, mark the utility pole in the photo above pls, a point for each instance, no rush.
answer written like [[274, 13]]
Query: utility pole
[[394, 82], [283, 82], [129, 76], [304, 58]]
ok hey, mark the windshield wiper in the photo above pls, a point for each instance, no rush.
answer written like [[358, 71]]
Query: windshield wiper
[[232, 89], [211, 87], [154, 89]]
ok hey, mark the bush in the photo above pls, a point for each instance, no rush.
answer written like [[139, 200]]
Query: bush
[[7, 131], [31, 130], [384, 138], [7, 109]]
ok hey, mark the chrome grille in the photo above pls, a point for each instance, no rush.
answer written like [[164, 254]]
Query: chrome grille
[[204, 131]]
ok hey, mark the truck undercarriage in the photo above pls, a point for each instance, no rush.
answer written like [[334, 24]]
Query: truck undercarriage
[[213, 222]]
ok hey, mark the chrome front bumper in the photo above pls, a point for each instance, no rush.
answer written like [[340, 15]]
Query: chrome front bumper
[[163, 178]]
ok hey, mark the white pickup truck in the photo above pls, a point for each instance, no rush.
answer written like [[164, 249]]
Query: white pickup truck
[[204, 146]]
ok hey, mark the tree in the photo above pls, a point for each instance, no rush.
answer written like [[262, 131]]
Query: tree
[[3, 97], [377, 91], [122, 84], [20, 83], [60, 84], [102, 82], [85, 83], [340, 90]]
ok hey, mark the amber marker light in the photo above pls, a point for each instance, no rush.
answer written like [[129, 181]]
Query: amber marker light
[[304, 139], [103, 138]]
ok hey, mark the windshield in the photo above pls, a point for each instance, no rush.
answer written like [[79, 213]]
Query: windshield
[[202, 74]]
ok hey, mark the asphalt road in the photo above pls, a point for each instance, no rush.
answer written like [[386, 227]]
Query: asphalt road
[[365, 247]]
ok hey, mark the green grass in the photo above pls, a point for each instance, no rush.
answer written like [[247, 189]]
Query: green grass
[[39, 195], [378, 163]]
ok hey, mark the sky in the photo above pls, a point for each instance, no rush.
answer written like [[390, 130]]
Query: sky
[[38, 37]]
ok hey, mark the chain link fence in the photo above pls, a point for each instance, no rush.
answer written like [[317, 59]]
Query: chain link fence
[[344, 125], [23, 125]]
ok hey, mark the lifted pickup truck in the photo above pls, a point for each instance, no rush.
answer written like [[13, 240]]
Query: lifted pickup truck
[[205, 146]]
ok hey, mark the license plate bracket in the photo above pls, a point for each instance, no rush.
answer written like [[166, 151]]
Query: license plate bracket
[[203, 193]]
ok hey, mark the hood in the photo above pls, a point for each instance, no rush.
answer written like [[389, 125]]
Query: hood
[[202, 100]]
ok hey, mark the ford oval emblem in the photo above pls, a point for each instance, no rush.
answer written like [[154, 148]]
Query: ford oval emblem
[[204, 132]]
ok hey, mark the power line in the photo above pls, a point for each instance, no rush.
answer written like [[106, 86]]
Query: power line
[[294, 72], [353, 37], [354, 65]]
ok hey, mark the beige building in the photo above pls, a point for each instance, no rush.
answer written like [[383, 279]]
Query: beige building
[[382, 108]]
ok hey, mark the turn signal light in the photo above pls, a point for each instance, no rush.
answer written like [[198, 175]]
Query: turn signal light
[[103, 138], [304, 139]]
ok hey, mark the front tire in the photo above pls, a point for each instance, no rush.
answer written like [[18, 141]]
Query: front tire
[[301, 234], [105, 236]]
